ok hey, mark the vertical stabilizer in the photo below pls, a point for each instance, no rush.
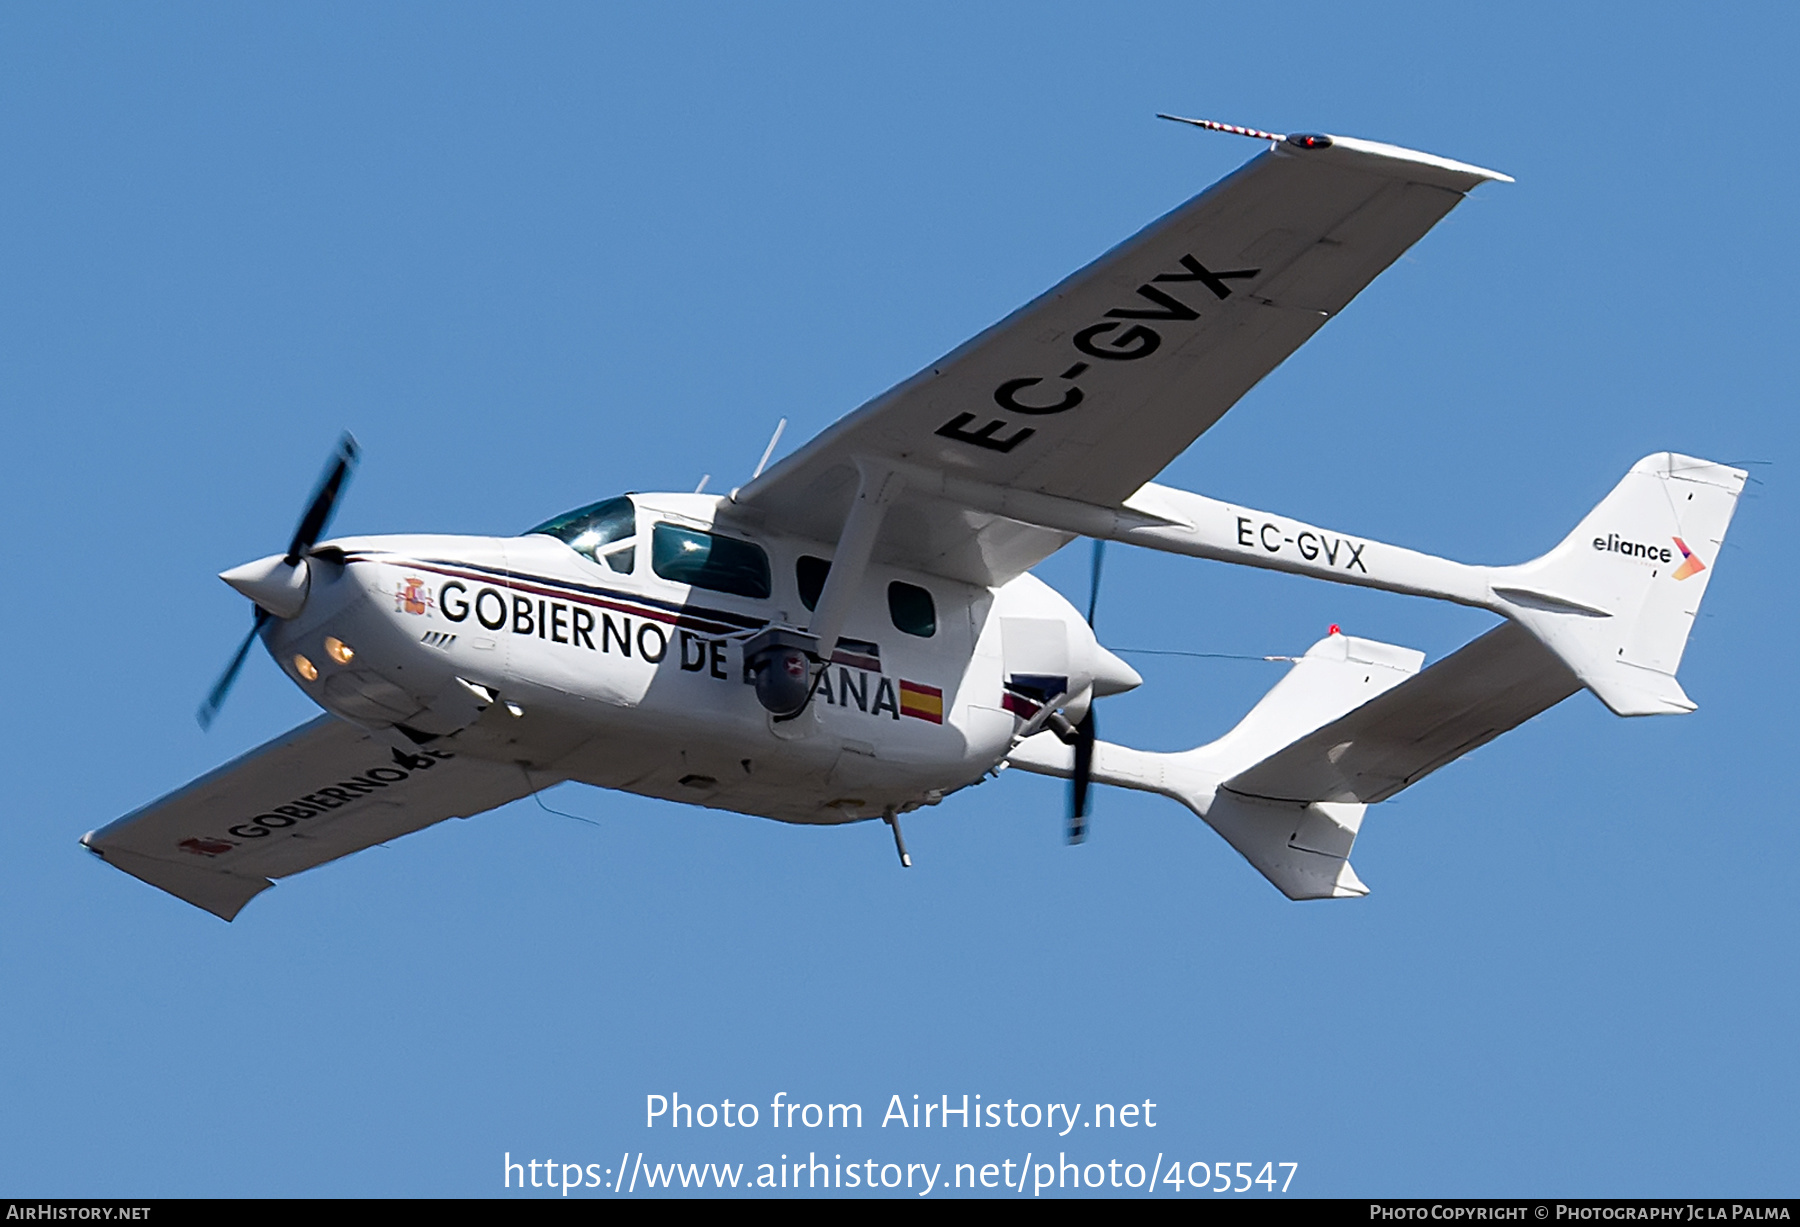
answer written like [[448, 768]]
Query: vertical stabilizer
[[1618, 597]]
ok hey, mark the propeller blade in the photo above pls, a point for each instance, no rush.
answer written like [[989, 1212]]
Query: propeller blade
[[216, 699], [1094, 579], [318, 514], [324, 500], [1078, 783]]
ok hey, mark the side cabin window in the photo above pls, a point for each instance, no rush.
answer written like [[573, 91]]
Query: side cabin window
[[605, 532], [809, 574], [708, 560], [909, 606], [912, 609]]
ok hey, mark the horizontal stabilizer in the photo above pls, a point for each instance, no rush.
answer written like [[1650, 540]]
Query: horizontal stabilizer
[[1460, 703], [1338, 674]]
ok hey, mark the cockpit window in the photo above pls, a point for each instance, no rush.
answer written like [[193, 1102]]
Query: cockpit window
[[603, 531]]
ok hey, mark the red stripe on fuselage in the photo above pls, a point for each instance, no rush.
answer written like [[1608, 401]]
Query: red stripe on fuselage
[[679, 617]]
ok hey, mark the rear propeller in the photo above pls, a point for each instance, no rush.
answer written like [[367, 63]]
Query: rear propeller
[[1085, 731], [306, 534]]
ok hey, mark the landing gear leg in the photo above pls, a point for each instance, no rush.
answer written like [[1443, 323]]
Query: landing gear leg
[[892, 818]]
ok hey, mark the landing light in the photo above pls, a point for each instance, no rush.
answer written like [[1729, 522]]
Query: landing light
[[305, 668], [338, 650]]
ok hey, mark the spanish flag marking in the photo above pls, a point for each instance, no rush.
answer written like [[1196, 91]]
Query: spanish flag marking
[[921, 702]]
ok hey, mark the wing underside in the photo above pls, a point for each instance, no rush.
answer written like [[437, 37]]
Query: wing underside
[[320, 792], [1091, 389]]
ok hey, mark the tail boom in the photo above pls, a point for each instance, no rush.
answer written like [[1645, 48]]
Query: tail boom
[[1614, 601]]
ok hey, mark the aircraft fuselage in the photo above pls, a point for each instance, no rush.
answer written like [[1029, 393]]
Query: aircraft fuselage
[[620, 678]]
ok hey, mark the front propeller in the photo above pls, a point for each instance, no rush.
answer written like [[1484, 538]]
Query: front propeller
[[278, 585], [216, 698]]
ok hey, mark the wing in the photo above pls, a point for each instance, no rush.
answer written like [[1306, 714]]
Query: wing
[[322, 791], [1462, 702], [1091, 389]]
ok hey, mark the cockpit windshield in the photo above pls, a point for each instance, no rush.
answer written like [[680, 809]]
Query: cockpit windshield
[[604, 531]]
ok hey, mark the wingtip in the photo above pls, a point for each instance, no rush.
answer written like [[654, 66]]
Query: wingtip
[[1320, 143], [1429, 166]]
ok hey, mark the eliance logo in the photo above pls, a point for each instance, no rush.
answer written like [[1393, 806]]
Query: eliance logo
[[1612, 543]]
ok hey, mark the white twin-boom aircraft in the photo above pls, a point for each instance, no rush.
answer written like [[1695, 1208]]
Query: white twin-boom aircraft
[[856, 632]]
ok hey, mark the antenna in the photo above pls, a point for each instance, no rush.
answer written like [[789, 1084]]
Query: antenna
[[1213, 125], [769, 450], [1298, 140], [703, 480]]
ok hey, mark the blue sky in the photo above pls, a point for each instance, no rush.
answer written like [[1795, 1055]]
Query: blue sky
[[533, 258]]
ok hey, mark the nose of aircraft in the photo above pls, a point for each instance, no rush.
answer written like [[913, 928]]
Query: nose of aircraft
[[1112, 675], [274, 583]]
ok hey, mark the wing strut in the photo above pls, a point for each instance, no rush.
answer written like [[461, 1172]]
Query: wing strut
[[784, 662]]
